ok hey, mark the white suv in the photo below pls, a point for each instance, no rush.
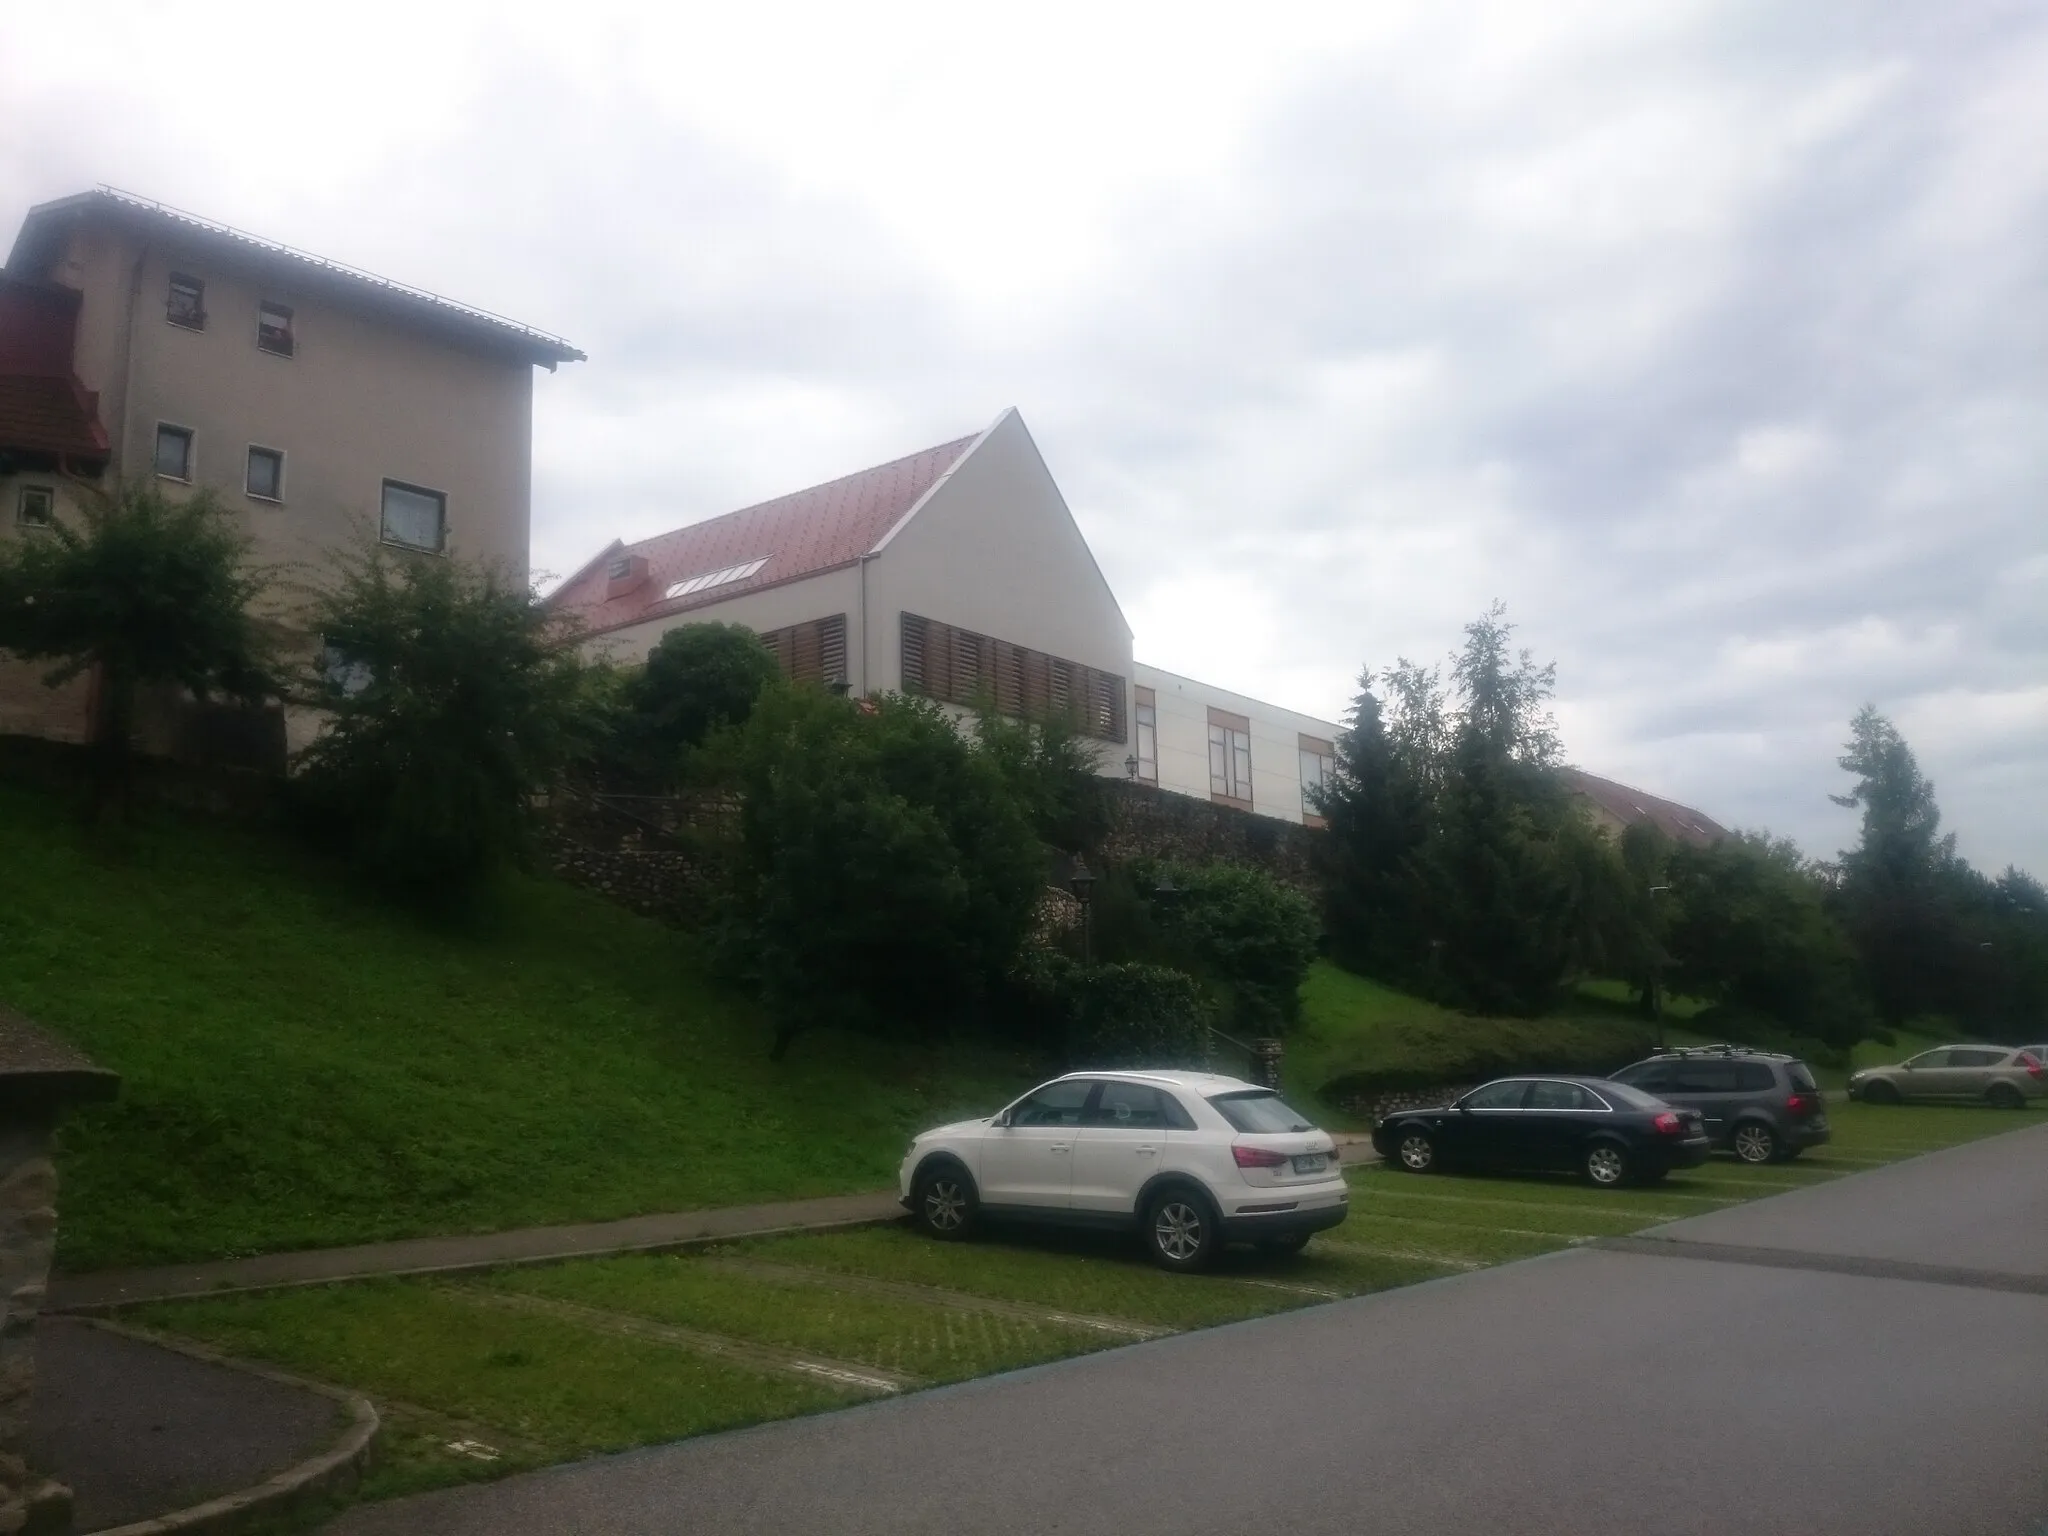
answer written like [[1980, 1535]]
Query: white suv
[[1191, 1160]]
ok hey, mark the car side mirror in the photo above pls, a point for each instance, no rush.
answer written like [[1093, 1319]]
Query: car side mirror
[[1002, 1121]]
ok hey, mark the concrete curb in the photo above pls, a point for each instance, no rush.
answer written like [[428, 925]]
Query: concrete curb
[[339, 1467]]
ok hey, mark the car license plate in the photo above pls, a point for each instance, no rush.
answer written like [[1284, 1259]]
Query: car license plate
[[1819, 1122], [1311, 1162]]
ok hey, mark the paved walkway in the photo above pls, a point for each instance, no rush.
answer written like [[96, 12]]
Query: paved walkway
[[1587, 1391], [137, 1431], [107, 1289]]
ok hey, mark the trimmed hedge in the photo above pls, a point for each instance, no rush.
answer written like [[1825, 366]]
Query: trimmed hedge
[[1130, 1015], [1427, 1054]]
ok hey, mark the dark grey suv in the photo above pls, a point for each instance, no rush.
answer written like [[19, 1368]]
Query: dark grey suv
[[1763, 1107]]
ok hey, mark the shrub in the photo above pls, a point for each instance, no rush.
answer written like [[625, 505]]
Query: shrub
[[453, 698], [1248, 934], [886, 875], [697, 679], [1121, 1015], [1426, 1054]]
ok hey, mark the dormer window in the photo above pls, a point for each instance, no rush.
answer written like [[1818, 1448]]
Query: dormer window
[[186, 305], [274, 329]]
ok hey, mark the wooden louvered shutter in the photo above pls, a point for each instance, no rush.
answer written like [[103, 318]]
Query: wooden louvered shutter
[[916, 638], [832, 648]]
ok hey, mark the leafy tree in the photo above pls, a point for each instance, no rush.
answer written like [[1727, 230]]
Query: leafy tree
[[698, 678], [1749, 929], [888, 873], [148, 591], [1503, 695], [1050, 768], [453, 698]]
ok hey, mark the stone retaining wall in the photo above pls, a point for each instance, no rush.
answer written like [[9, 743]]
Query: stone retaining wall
[[1372, 1108], [1146, 822], [28, 1239]]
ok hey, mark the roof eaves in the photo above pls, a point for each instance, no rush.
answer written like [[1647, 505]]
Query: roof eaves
[[932, 490], [539, 346]]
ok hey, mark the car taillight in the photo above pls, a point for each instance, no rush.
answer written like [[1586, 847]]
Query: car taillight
[[1258, 1157], [1667, 1124], [1800, 1104], [2033, 1067]]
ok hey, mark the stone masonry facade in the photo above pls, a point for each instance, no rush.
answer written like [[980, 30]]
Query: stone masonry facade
[[28, 1236]]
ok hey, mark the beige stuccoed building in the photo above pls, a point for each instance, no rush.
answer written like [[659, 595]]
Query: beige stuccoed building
[[324, 405]]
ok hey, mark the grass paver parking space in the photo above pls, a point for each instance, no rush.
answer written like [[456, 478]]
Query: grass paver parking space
[[527, 1366], [916, 1338], [1069, 1272]]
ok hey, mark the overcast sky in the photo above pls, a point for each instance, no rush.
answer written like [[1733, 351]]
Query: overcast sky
[[1712, 338]]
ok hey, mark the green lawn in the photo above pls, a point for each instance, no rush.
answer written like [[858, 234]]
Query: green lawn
[[1351, 1024], [303, 1065]]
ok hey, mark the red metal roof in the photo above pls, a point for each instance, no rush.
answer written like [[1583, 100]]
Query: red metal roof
[[1629, 806], [799, 535]]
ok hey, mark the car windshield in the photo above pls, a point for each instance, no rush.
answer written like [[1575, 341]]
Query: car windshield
[[1259, 1112]]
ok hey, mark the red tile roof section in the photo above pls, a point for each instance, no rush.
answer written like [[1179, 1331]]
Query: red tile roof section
[[43, 407], [50, 416], [1630, 806], [802, 534]]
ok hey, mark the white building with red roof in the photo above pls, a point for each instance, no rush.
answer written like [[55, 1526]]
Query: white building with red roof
[[958, 573]]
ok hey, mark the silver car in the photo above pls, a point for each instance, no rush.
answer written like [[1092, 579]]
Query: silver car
[[2002, 1076]]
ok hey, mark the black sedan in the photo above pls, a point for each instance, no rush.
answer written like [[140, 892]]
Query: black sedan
[[1610, 1132]]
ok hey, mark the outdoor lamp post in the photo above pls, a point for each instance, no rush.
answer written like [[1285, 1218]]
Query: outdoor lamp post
[[1131, 766], [1082, 880]]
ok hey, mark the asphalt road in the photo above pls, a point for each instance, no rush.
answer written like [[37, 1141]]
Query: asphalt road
[[1585, 1392]]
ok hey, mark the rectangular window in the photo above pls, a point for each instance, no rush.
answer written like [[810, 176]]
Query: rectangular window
[[1318, 761], [265, 480], [174, 452], [415, 517], [274, 329], [1230, 758], [186, 304], [1147, 711], [36, 507]]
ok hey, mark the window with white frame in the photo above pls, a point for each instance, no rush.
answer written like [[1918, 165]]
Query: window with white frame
[[414, 517], [1147, 712], [265, 478], [185, 303], [1230, 758], [1318, 763], [274, 329], [36, 506], [173, 451]]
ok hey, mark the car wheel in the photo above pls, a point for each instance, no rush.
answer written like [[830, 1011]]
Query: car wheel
[[1180, 1231], [1755, 1143], [1280, 1247], [1881, 1093], [2005, 1096], [944, 1203], [1416, 1152], [1607, 1164]]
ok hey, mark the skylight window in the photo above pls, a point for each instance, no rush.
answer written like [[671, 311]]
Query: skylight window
[[716, 578]]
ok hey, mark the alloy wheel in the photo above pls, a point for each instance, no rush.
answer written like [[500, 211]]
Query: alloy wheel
[[1606, 1165], [1177, 1229], [1755, 1143], [945, 1205], [1416, 1152]]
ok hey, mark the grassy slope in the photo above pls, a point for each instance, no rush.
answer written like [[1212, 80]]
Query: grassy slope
[[1352, 1024], [303, 1066]]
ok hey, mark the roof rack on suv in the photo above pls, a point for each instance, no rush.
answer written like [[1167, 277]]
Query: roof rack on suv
[[1723, 1049]]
